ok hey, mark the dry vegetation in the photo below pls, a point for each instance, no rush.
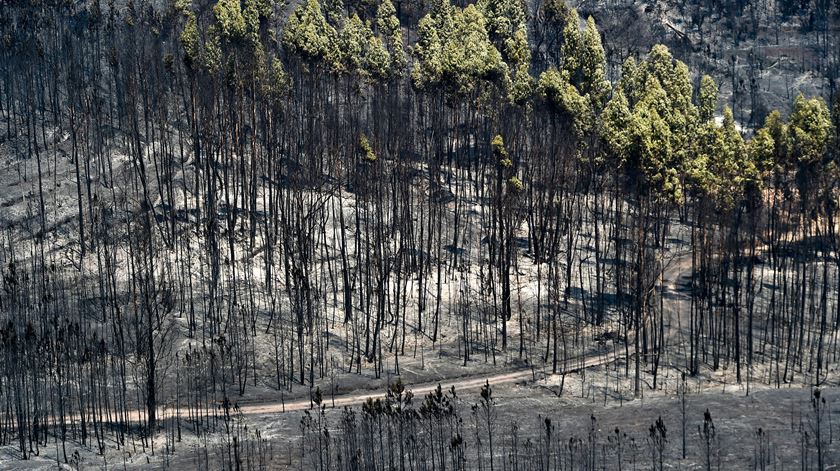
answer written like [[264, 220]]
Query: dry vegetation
[[218, 220]]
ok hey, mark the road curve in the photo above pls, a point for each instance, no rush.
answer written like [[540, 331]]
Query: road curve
[[420, 389], [680, 264]]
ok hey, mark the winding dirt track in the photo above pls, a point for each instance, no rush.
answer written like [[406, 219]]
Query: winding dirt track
[[420, 389], [674, 282], [673, 275]]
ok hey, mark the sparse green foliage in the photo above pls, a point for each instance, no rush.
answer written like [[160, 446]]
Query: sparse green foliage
[[229, 16], [593, 65], [584, 67], [519, 56], [555, 88], [657, 93], [429, 51], [508, 33], [352, 42], [277, 82], [391, 31], [308, 34], [651, 145], [252, 14], [500, 153], [212, 51], [762, 149], [572, 47], [377, 59], [454, 50], [504, 18], [515, 184], [628, 81], [517, 50], [615, 125], [361, 52], [721, 167], [224, 217], [189, 40], [810, 129], [642, 137], [777, 130], [707, 99], [181, 6], [522, 85], [366, 149]]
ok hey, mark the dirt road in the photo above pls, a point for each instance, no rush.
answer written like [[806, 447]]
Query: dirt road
[[675, 276], [464, 383]]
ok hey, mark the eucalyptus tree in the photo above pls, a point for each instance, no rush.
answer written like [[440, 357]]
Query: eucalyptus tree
[[810, 132], [507, 30], [647, 126], [721, 174], [573, 98], [391, 33], [455, 59], [324, 146]]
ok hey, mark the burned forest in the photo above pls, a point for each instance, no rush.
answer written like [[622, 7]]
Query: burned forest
[[420, 234]]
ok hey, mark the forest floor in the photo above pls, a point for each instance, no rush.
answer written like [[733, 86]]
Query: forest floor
[[779, 412], [594, 383]]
